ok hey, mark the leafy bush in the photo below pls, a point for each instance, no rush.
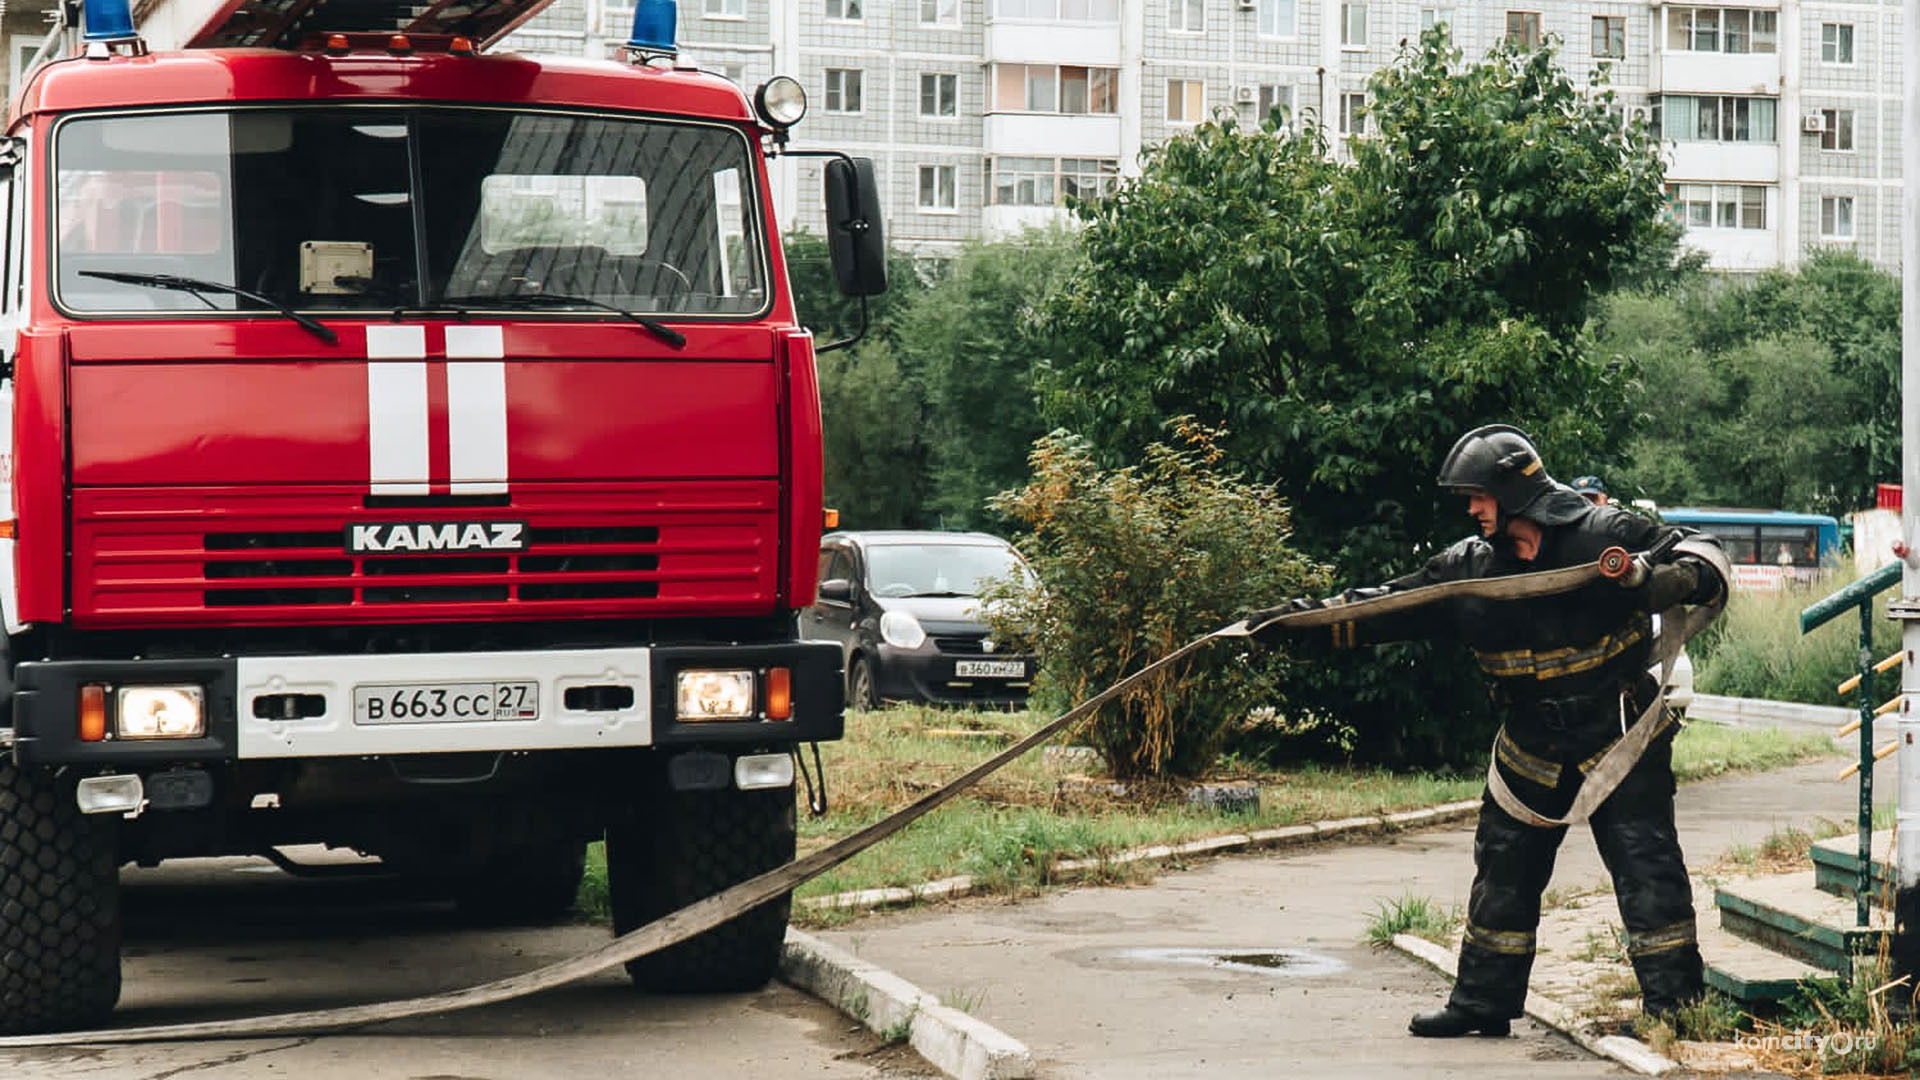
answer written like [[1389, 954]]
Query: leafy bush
[[1133, 563], [1757, 650]]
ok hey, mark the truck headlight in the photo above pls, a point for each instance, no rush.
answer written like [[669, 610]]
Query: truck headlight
[[160, 712], [901, 630], [714, 695]]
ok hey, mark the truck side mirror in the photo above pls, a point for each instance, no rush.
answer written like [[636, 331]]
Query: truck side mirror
[[856, 237], [839, 590]]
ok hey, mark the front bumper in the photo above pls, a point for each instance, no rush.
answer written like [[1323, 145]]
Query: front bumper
[[926, 674], [585, 698]]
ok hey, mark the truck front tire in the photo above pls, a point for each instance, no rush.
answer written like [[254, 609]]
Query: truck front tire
[[59, 907], [684, 846]]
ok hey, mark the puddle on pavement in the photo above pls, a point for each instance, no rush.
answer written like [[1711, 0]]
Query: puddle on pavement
[[1282, 962]]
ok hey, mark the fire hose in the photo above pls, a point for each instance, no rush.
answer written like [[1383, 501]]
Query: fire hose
[[704, 915]]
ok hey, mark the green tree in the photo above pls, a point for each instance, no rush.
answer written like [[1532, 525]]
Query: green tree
[[876, 453], [1347, 322], [969, 342], [821, 307], [1781, 393]]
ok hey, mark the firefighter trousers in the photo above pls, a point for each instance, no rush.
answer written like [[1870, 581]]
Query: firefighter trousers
[[1634, 830]]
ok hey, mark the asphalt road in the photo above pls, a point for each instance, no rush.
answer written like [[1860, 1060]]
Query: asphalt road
[[211, 939]]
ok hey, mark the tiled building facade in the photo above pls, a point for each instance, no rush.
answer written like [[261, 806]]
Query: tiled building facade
[[1781, 118]]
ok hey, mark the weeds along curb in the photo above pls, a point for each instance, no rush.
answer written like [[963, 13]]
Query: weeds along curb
[[962, 885], [1631, 1053], [957, 1044]]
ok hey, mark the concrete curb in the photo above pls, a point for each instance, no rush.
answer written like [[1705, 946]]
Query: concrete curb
[[955, 887], [957, 1044], [1759, 712], [1631, 1053]]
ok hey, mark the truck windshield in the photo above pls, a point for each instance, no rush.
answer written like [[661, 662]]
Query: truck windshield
[[378, 208]]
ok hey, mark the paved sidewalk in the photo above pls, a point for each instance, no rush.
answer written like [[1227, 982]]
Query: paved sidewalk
[[1066, 973]]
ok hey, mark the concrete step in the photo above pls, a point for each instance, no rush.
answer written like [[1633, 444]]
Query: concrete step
[[1836, 865], [1787, 914], [1749, 972]]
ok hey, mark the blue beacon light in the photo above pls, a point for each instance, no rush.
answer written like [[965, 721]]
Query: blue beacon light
[[653, 28], [108, 20]]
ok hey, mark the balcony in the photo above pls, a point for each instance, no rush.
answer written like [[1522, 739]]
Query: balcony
[[1003, 222], [1739, 162], [1053, 135], [1736, 249], [1030, 41], [1719, 73]]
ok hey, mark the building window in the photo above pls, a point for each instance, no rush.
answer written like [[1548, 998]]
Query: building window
[[940, 12], [1276, 97], [1187, 16], [1523, 29], [1610, 36], [725, 9], [937, 188], [1063, 10], [939, 95], [1353, 24], [1718, 206], [1353, 114], [1431, 17], [1836, 217], [1836, 129], [1686, 118], [1026, 181], [845, 9], [1728, 30], [1836, 43], [1186, 101], [843, 90], [735, 73], [1277, 18], [1055, 89]]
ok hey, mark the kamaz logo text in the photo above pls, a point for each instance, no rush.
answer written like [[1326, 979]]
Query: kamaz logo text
[[438, 536]]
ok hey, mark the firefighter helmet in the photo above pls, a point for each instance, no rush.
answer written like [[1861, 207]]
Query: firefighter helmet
[[1500, 460]]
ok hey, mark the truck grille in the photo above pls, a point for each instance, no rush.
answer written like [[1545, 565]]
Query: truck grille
[[712, 561]]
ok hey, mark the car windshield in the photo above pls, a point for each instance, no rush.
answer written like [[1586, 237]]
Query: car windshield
[[937, 569], [376, 208]]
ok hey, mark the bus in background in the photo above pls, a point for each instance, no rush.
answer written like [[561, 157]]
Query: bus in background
[[1768, 548]]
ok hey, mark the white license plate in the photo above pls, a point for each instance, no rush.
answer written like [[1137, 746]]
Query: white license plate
[[446, 703], [989, 669]]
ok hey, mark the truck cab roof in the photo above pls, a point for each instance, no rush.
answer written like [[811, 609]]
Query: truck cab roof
[[252, 75]]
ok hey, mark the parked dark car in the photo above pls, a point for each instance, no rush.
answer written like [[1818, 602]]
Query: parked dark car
[[905, 608]]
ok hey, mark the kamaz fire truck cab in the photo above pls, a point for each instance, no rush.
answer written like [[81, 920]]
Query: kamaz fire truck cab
[[412, 450]]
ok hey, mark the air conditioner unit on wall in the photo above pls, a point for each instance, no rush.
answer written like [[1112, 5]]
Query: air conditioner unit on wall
[[1245, 95], [1813, 123]]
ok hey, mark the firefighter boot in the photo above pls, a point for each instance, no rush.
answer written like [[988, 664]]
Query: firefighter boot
[[1453, 1022]]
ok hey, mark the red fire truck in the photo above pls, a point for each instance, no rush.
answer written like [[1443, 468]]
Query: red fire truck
[[412, 450]]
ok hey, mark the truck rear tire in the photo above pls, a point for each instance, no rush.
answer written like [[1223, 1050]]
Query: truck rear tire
[[533, 886], [59, 907], [684, 846]]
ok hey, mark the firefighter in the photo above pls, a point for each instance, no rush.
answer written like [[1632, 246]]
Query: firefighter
[[1568, 673]]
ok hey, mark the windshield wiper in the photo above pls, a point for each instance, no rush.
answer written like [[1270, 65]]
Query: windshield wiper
[[548, 300], [196, 287], [947, 592]]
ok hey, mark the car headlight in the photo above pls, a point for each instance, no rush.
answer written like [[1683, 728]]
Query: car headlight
[[160, 712], [901, 630], [714, 695]]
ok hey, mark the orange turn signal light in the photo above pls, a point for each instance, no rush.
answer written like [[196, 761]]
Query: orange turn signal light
[[832, 519], [93, 713], [337, 44], [779, 693], [399, 44], [460, 46], [6, 528]]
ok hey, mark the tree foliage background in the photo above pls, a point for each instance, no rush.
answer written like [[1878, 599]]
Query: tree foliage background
[[1347, 322]]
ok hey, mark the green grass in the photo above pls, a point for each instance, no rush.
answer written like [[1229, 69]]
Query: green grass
[[1421, 916], [1011, 831], [1756, 649]]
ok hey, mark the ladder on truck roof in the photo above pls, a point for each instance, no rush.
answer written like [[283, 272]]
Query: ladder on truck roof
[[285, 24]]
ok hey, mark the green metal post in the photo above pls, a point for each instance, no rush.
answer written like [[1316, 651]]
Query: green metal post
[[1863, 886]]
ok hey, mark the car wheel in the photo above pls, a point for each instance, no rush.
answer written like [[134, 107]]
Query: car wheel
[[862, 692]]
